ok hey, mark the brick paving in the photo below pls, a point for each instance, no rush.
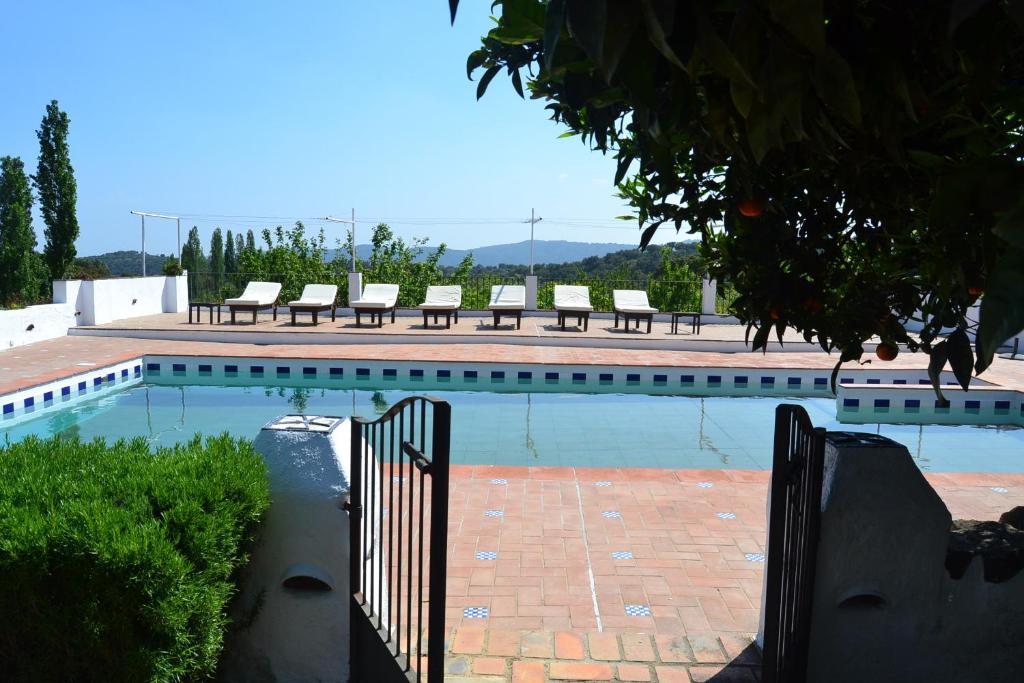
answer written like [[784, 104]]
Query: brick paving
[[686, 564]]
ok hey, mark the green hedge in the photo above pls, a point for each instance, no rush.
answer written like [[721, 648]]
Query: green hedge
[[116, 563]]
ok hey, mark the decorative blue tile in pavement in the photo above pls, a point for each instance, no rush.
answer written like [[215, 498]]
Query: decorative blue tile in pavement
[[178, 368], [110, 377], [924, 381], [152, 367], [1000, 489], [611, 514], [96, 381], [941, 407], [726, 515], [579, 377], [874, 381], [606, 378], [846, 380], [793, 383], [1002, 407], [444, 375], [8, 408], [525, 377], [740, 381], [911, 405], [231, 370], [81, 386], [362, 373], [714, 380], [493, 513], [622, 555], [705, 485], [338, 373], [475, 612], [660, 380], [469, 374], [497, 375], [499, 482], [309, 372], [767, 382], [29, 402], [821, 382], [686, 380], [47, 396], [65, 391], [638, 611], [851, 403], [602, 483], [390, 373], [632, 378], [486, 555], [754, 557], [899, 381], [881, 405], [256, 370], [284, 371], [550, 376], [972, 407], [124, 372], [138, 369]]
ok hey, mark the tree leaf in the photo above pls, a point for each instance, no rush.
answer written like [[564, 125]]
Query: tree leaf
[[1002, 307], [647, 234], [936, 362], [587, 20], [481, 87], [517, 82], [761, 338], [803, 19], [961, 357], [475, 60], [453, 7], [834, 82], [718, 54], [1010, 226], [625, 159], [554, 19], [659, 15]]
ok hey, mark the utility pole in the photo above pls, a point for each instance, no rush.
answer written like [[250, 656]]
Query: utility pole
[[142, 215], [352, 222], [533, 221]]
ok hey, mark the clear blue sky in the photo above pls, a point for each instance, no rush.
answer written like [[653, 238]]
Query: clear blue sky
[[293, 110]]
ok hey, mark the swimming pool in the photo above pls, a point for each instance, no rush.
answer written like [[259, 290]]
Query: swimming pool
[[522, 428]]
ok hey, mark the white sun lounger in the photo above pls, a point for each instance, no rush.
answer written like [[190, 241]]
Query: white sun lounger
[[573, 300], [258, 296], [442, 300], [314, 299], [508, 300], [632, 304], [376, 300]]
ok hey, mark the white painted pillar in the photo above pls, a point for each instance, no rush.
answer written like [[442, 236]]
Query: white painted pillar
[[709, 293], [355, 287], [531, 292]]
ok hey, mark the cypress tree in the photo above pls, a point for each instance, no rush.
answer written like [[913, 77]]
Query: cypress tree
[[58, 193], [230, 260], [217, 252], [250, 241], [239, 248], [17, 239], [192, 258]]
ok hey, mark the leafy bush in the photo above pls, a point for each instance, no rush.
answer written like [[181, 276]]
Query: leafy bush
[[118, 563]]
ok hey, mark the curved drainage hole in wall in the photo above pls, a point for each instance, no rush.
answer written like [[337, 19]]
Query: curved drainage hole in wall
[[863, 601], [307, 578]]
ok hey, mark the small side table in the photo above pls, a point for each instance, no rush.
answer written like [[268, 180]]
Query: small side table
[[694, 317], [198, 306]]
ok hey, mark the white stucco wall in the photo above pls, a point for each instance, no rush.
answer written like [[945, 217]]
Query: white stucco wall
[[92, 302]]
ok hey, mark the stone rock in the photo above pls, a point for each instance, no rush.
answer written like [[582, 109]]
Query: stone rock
[[1014, 517]]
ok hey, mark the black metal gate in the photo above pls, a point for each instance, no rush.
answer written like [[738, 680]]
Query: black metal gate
[[399, 472], [793, 524]]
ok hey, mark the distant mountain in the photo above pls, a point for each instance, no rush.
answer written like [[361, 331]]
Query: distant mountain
[[545, 251], [121, 263]]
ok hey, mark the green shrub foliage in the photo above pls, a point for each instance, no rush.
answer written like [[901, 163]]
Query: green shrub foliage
[[118, 563]]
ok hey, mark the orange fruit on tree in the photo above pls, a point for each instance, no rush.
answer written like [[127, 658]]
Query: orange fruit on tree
[[751, 208], [887, 351]]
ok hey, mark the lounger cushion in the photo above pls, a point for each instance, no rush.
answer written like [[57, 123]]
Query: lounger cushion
[[572, 298], [377, 296], [507, 298], [442, 298], [316, 295], [257, 294], [632, 301]]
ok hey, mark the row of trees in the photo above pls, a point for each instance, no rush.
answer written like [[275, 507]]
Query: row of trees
[[24, 273]]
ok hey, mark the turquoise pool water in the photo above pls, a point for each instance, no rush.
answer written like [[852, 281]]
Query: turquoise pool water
[[552, 429]]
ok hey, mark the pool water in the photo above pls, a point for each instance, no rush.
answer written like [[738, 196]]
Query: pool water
[[550, 429]]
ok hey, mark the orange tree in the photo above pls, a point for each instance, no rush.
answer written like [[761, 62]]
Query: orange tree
[[851, 166]]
